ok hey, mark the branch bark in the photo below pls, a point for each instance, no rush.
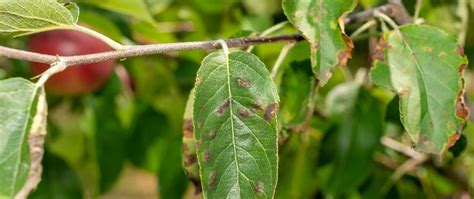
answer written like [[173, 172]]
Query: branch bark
[[390, 9]]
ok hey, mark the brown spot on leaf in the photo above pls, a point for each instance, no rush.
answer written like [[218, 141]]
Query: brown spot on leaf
[[460, 51], [221, 109], [188, 129], [207, 156], [379, 50], [344, 56], [428, 49], [212, 181], [271, 111], [244, 113], [244, 83], [256, 107], [189, 159], [258, 187], [453, 139]]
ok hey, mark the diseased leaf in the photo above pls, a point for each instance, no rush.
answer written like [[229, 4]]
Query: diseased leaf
[[36, 137], [23, 17], [425, 67], [322, 24], [235, 126], [190, 163], [358, 121], [17, 108]]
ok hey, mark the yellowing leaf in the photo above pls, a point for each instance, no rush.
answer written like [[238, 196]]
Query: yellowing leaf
[[425, 67]]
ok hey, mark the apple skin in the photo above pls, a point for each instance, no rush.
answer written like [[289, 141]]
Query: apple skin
[[78, 79]]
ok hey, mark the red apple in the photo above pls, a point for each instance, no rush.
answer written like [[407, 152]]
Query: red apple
[[75, 80]]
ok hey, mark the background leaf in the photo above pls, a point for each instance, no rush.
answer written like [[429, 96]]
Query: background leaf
[[23, 17], [17, 105], [319, 21], [350, 146], [235, 126], [134, 8], [429, 83]]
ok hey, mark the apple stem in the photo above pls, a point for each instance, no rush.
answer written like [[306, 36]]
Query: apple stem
[[115, 45]]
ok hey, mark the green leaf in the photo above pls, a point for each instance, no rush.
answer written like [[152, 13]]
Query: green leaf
[[17, 108], [23, 17], [297, 95], [322, 24], [134, 8], [429, 82], [110, 135], [297, 166], [235, 126], [358, 122]]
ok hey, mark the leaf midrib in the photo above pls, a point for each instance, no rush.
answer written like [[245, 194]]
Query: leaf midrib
[[231, 112]]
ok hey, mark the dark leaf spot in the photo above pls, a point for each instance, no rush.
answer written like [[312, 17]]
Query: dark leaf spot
[[256, 107], [189, 159], [271, 111], [221, 109], [244, 113], [244, 83], [212, 181], [188, 128]]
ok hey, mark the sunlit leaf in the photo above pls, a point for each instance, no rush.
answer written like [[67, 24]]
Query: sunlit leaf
[[235, 126], [424, 66], [23, 17], [322, 24]]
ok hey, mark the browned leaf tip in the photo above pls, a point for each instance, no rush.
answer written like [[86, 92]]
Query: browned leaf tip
[[462, 110], [345, 55], [379, 50], [453, 139]]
